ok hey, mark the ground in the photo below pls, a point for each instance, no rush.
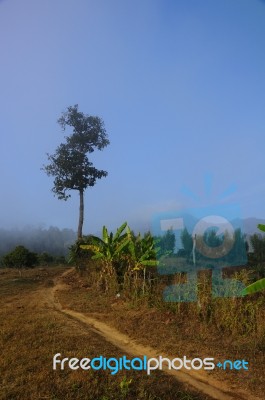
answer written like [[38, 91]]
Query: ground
[[49, 311]]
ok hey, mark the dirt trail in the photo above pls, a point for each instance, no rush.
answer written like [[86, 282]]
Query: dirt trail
[[199, 380]]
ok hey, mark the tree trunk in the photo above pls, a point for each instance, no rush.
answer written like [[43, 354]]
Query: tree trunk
[[81, 215]]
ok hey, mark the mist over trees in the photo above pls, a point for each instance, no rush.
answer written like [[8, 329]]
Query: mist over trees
[[53, 240]]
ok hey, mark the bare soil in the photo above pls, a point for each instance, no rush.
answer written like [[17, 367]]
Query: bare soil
[[199, 380], [49, 311], [33, 329]]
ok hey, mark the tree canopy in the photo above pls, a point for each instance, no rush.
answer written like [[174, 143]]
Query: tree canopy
[[69, 165]]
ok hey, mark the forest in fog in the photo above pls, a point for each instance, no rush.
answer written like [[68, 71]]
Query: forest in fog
[[52, 240]]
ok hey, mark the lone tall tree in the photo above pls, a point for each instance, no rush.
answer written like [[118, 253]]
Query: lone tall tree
[[69, 164]]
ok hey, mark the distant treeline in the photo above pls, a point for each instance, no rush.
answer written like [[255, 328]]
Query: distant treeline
[[53, 240]]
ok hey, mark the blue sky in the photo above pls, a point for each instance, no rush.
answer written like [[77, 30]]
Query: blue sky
[[179, 84]]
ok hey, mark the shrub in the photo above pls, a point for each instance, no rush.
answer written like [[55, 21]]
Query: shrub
[[20, 257], [45, 258]]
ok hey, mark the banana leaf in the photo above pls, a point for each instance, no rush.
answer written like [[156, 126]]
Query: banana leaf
[[119, 231], [261, 227], [105, 235], [150, 263], [255, 287], [121, 246], [91, 247], [98, 256]]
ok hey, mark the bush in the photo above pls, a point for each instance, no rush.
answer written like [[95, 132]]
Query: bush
[[59, 260], [45, 258], [79, 257], [20, 257]]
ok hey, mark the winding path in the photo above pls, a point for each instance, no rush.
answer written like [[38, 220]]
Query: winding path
[[198, 380]]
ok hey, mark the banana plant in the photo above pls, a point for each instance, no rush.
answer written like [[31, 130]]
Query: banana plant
[[141, 254], [108, 249], [260, 284], [141, 250]]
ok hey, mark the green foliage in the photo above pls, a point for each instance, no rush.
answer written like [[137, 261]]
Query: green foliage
[[260, 284], [258, 244], [187, 242], [108, 251], [261, 227], [20, 257], [45, 258], [109, 248], [255, 287], [257, 257], [165, 244], [259, 270], [122, 254], [211, 238], [233, 247], [239, 248], [125, 386], [69, 165], [76, 253], [141, 251]]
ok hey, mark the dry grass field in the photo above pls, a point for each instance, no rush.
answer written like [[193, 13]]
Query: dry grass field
[[32, 330], [183, 333]]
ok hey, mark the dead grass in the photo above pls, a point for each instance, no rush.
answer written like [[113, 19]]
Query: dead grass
[[31, 333], [180, 332]]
